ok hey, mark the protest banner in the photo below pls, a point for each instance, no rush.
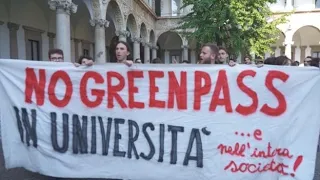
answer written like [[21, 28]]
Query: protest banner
[[181, 122]]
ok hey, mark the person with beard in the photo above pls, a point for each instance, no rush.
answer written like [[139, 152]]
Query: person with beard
[[209, 55]]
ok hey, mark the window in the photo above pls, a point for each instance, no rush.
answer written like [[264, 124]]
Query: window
[[175, 9], [85, 52], [317, 3], [34, 50], [316, 54], [158, 5]]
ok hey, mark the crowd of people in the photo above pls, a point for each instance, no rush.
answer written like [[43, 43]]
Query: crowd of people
[[210, 54]]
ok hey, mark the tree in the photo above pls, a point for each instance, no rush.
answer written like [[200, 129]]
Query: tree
[[246, 25]]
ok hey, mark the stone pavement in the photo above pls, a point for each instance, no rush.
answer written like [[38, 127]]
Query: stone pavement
[[21, 174]]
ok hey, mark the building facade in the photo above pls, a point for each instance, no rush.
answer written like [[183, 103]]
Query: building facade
[[300, 36], [28, 29]]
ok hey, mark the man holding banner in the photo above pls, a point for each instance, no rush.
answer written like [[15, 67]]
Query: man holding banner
[[186, 122]]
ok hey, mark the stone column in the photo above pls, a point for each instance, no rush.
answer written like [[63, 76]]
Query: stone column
[[91, 53], [13, 28], [253, 55], [136, 48], [289, 4], [193, 55], [297, 54], [123, 34], [63, 9], [166, 57], [267, 55], [76, 48], [45, 46], [288, 49], [154, 52], [277, 52], [307, 51], [239, 57], [5, 41], [279, 5], [185, 52], [51, 39], [80, 48], [146, 53], [100, 42], [21, 40], [73, 51]]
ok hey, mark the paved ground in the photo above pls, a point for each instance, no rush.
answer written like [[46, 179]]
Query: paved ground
[[21, 174]]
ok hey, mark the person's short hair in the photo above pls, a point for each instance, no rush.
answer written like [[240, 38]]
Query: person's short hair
[[224, 49], [270, 60], [296, 63], [231, 59], [247, 57], [282, 60], [138, 59], [128, 48], [84, 57], [186, 61], [156, 61], [55, 51], [315, 62], [214, 48]]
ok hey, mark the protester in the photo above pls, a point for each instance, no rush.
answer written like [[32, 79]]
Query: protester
[[138, 61], [185, 62], [315, 62], [123, 52], [55, 55], [259, 62], [295, 63], [84, 60], [156, 61], [280, 61], [307, 61], [283, 60], [223, 56], [247, 60], [231, 60], [209, 53]]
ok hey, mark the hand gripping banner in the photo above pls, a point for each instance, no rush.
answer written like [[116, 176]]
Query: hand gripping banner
[[181, 122]]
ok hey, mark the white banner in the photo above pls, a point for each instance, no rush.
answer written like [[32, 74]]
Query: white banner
[[155, 122]]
